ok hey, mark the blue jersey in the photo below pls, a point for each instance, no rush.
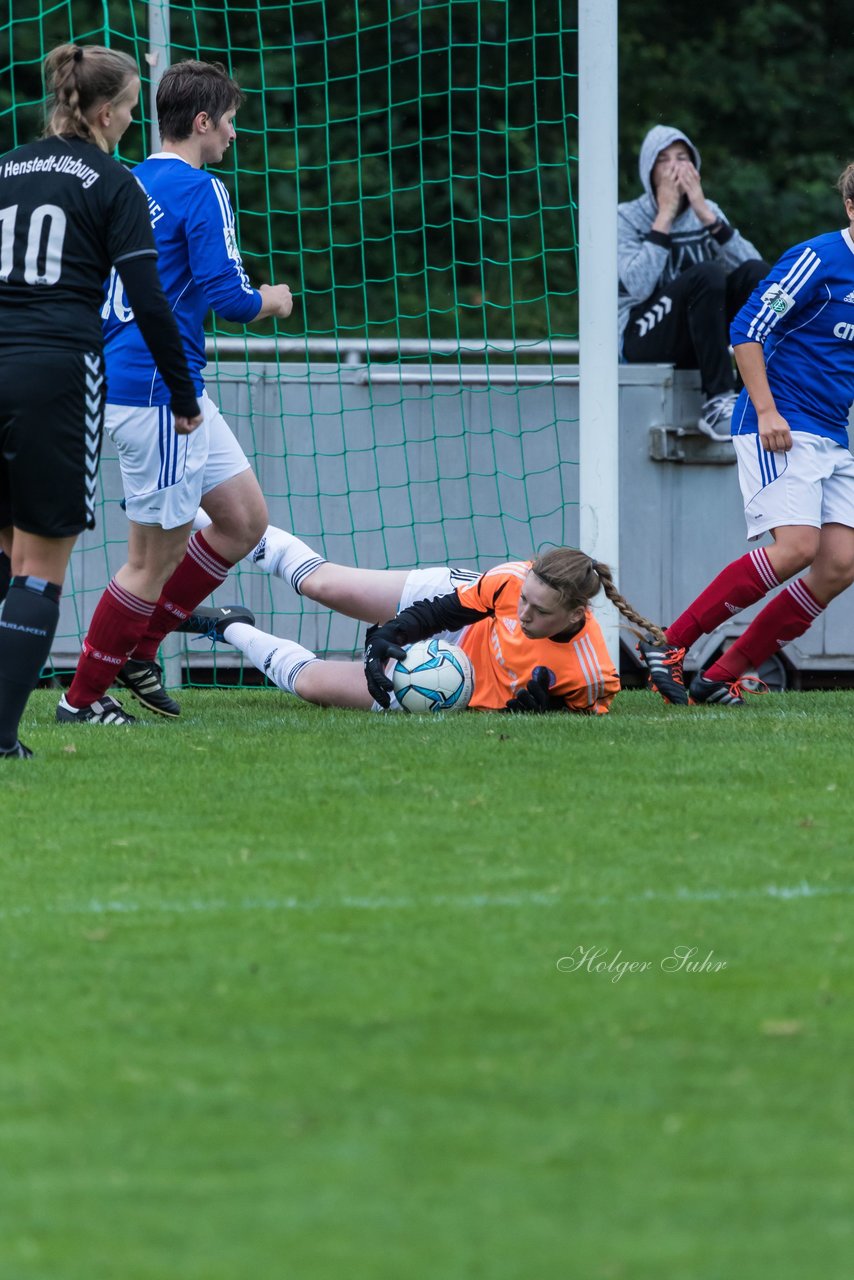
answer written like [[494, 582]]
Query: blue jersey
[[200, 268], [803, 314]]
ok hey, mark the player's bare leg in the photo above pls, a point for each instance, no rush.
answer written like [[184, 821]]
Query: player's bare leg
[[832, 570], [794, 547], [334, 684], [299, 671], [370, 595], [239, 516], [40, 557], [784, 618], [153, 554]]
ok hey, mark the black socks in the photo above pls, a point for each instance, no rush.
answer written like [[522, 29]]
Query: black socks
[[27, 627]]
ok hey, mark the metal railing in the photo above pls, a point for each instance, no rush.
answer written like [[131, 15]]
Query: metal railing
[[362, 350]]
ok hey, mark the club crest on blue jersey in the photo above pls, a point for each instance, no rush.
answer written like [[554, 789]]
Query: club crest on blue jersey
[[778, 300]]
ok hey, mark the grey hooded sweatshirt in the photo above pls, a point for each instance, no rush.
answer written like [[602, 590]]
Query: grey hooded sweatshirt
[[643, 265]]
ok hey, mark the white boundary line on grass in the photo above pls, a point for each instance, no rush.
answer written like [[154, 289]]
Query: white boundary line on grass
[[462, 902]]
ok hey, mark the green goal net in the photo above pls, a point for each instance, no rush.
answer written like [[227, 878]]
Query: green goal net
[[409, 169]]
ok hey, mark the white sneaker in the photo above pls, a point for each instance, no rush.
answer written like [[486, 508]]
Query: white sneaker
[[716, 416]]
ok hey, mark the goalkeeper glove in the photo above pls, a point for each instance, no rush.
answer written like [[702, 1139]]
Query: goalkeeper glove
[[535, 696], [381, 645]]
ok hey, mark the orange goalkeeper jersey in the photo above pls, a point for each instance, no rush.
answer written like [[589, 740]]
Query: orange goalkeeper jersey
[[504, 658]]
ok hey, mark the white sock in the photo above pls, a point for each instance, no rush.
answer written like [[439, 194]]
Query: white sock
[[281, 660], [284, 556], [279, 553]]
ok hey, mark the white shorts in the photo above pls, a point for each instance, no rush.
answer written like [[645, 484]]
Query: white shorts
[[424, 584], [163, 474], [812, 484]]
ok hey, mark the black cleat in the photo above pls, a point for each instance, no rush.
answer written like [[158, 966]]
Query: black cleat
[[144, 679], [211, 623], [664, 664], [18, 752], [107, 711], [725, 693]]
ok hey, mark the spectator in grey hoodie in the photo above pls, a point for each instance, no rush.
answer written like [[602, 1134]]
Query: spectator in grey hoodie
[[684, 274]]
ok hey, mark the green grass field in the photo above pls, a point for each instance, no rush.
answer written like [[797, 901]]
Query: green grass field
[[281, 995]]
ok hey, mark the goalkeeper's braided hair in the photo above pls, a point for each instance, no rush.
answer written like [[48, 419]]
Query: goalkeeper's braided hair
[[577, 579]]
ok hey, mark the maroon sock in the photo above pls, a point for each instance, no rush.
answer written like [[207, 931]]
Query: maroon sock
[[784, 618], [740, 584], [117, 624], [199, 573]]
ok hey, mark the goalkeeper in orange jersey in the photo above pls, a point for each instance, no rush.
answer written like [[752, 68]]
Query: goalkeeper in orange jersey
[[525, 625]]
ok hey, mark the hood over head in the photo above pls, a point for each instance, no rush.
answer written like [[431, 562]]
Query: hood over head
[[659, 137]]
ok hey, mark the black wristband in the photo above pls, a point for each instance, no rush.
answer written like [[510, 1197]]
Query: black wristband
[[721, 231]]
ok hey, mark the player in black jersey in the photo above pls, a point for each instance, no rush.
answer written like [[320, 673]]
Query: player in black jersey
[[68, 213]]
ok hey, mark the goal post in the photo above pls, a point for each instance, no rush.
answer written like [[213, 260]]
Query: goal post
[[599, 444], [157, 58]]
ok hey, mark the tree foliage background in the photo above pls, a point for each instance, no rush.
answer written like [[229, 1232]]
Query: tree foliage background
[[409, 166], [764, 87]]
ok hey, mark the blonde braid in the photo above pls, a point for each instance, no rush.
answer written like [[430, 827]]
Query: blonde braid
[[623, 605], [80, 79], [61, 67], [578, 578]]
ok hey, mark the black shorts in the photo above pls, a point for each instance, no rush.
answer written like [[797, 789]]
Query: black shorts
[[51, 421]]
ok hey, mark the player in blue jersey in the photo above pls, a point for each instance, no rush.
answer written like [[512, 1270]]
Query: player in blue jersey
[[68, 211], [794, 344], [165, 477]]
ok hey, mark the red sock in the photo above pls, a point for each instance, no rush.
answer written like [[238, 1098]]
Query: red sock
[[784, 618], [198, 574], [742, 583], [117, 624]]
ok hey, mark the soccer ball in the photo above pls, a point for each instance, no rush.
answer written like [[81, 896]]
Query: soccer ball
[[434, 676]]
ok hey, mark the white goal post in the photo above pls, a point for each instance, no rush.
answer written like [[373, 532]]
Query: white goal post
[[597, 217]]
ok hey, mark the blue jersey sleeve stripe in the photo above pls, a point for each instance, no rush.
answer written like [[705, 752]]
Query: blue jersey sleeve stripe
[[765, 314], [224, 203], [221, 194], [793, 282]]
